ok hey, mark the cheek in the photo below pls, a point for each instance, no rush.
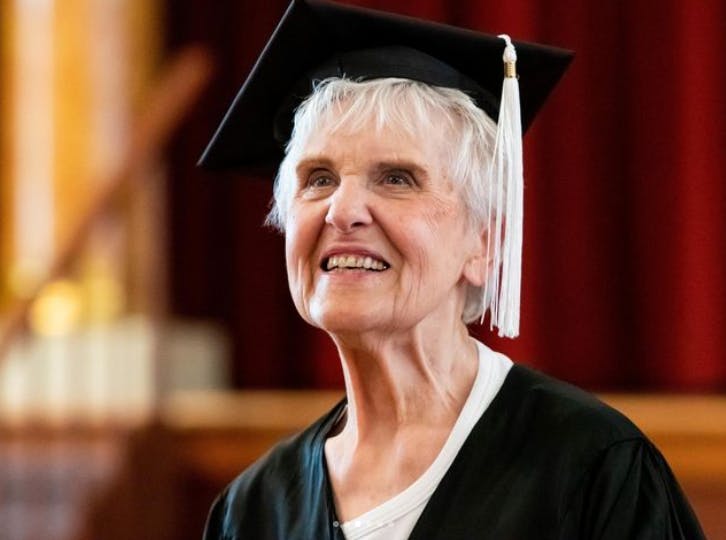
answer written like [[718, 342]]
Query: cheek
[[439, 243], [291, 246], [295, 251], [302, 233], [420, 244], [299, 232], [442, 209], [297, 247], [430, 231], [444, 228]]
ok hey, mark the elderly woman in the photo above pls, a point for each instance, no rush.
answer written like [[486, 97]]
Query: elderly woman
[[398, 203]]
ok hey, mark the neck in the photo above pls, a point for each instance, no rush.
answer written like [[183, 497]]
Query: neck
[[414, 379]]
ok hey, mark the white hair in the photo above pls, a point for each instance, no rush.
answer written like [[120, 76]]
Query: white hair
[[413, 107]]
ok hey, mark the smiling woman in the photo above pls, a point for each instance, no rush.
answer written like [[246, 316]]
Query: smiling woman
[[400, 199], [344, 190], [449, 138]]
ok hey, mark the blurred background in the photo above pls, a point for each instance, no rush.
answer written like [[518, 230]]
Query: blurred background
[[148, 346]]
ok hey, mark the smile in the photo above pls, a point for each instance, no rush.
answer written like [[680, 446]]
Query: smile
[[353, 262]]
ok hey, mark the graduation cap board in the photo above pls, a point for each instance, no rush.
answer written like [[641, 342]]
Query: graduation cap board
[[316, 39]]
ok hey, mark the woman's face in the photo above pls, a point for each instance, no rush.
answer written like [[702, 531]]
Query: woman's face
[[377, 236]]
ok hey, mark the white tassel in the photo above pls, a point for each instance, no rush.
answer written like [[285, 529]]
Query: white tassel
[[506, 207]]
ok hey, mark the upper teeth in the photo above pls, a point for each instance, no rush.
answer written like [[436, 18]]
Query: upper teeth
[[354, 261]]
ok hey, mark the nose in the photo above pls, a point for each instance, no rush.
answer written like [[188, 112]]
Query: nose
[[349, 206]]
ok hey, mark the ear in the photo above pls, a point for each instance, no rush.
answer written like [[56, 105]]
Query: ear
[[477, 266]]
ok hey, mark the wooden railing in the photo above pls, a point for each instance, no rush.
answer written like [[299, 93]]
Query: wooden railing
[[159, 481]]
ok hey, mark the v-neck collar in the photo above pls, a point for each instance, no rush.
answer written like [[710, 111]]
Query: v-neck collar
[[334, 529]]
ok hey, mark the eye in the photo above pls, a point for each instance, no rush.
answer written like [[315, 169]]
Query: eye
[[319, 179], [399, 179]]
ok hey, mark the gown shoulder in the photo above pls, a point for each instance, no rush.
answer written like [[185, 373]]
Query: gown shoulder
[[550, 461], [281, 495]]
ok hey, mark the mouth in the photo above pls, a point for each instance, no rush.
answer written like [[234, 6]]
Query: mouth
[[347, 262]]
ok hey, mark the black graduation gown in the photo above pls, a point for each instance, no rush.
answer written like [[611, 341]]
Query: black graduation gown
[[545, 461]]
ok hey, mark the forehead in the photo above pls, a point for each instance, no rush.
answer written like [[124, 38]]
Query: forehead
[[384, 132]]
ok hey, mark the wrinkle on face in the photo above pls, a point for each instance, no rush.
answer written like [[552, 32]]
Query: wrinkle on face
[[421, 229]]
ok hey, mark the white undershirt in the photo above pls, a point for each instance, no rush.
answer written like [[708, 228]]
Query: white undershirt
[[395, 518]]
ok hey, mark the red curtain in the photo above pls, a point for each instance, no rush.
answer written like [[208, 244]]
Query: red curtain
[[625, 199]]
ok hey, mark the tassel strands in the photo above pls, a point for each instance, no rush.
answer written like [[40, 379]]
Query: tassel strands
[[506, 207]]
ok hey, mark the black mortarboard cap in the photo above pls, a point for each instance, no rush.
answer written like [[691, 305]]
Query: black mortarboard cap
[[317, 39]]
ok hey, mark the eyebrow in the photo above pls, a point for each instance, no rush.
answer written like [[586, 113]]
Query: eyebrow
[[313, 162]]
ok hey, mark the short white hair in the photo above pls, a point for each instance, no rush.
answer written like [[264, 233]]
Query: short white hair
[[411, 106]]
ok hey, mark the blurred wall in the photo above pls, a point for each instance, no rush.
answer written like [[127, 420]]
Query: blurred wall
[[73, 73]]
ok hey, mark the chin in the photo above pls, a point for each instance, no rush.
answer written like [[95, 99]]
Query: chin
[[338, 320]]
